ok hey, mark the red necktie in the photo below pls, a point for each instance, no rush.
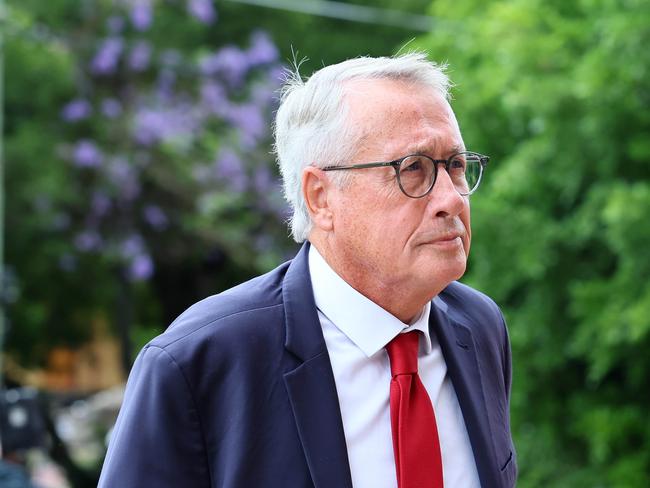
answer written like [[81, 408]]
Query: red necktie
[[415, 435]]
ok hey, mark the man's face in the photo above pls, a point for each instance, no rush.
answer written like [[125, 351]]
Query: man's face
[[383, 238]]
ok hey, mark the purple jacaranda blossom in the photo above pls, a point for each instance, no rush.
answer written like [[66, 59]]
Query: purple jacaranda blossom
[[175, 123], [123, 176], [76, 110], [141, 14], [277, 75], [264, 94], [140, 56], [230, 63], [209, 64], [263, 180], [151, 125], [130, 191], [115, 24], [100, 204], [131, 246], [230, 170], [107, 56], [166, 82], [249, 121], [202, 10], [141, 267], [262, 50], [155, 217], [111, 108], [86, 154], [133, 251], [88, 241], [247, 117], [213, 97], [119, 171]]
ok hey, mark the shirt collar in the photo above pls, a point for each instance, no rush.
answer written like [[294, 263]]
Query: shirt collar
[[365, 323]]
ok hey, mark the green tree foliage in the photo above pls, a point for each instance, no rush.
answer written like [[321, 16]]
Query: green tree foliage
[[558, 94], [139, 169], [132, 148]]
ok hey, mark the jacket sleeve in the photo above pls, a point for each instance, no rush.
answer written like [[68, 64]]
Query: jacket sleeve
[[507, 358], [157, 439]]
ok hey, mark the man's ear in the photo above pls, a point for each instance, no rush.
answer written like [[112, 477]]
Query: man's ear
[[316, 187]]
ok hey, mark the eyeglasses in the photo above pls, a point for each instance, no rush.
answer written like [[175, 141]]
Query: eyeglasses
[[417, 173]]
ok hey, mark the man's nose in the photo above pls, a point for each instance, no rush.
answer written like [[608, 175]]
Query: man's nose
[[445, 196]]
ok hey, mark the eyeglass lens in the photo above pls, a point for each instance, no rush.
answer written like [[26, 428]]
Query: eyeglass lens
[[417, 174]]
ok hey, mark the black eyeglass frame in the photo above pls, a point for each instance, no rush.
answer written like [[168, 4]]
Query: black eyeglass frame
[[483, 161]]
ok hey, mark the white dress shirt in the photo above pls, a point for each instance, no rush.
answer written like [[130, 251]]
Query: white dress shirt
[[356, 330]]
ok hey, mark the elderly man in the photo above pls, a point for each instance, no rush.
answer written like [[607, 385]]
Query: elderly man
[[362, 362]]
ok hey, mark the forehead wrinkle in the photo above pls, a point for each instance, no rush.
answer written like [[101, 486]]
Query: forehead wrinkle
[[441, 138], [432, 150]]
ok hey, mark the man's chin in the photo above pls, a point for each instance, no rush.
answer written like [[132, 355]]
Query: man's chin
[[434, 278], [449, 257]]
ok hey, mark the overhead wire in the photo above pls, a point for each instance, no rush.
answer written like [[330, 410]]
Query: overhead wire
[[350, 12]]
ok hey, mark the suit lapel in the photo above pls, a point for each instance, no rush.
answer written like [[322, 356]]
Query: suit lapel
[[459, 350], [311, 386]]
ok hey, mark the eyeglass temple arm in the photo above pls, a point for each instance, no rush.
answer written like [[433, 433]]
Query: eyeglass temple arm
[[362, 166]]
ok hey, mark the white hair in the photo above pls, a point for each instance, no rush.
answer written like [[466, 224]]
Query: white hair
[[310, 125]]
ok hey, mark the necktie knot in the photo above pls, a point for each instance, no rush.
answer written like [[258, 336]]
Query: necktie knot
[[403, 353]]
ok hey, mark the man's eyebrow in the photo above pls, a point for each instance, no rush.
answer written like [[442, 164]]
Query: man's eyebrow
[[455, 149], [427, 149]]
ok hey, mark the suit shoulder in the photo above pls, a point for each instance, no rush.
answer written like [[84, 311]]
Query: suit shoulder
[[215, 315], [459, 293], [471, 304]]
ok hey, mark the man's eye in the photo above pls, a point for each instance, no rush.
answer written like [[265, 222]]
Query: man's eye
[[457, 164], [412, 164]]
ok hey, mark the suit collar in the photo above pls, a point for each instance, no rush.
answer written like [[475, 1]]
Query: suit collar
[[304, 335], [311, 386], [459, 350]]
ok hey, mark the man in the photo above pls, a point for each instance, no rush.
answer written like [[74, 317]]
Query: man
[[361, 362]]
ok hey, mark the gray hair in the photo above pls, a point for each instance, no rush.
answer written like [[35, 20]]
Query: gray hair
[[310, 125]]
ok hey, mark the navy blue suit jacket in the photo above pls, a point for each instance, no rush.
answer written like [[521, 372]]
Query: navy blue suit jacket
[[239, 392]]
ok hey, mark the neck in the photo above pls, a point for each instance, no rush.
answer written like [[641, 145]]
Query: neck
[[391, 295]]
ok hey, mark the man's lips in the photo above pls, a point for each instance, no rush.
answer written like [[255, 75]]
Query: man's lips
[[449, 243], [448, 237]]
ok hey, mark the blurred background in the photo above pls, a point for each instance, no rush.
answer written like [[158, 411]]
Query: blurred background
[[138, 178]]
